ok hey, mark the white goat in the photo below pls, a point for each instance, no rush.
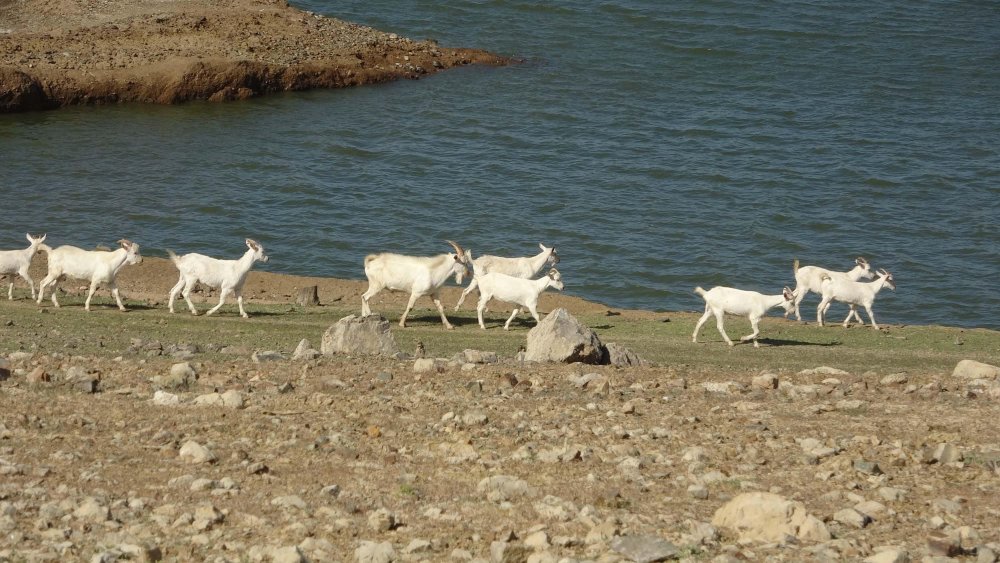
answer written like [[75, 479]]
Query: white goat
[[853, 293], [18, 261], [228, 276], [98, 266], [810, 278], [419, 275], [721, 300], [514, 290], [524, 267]]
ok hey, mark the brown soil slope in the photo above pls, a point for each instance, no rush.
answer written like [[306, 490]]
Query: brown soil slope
[[56, 53]]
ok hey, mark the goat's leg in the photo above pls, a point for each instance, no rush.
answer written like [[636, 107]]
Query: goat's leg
[[223, 293], [853, 312], [10, 290], [409, 305], [483, 299], [465, 292], [821, 310], [868, 308], [90, 295], [722, 329], [188, 288], [437, 301], [23, 272], [754, 322], [41, 288], [850, 313], [799, 296], [118, 296], [701, 321], [506, 325], [239, 301], [372, 292], [173, 293]]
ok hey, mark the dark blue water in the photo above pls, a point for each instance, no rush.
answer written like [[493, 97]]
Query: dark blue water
[[658, 145]]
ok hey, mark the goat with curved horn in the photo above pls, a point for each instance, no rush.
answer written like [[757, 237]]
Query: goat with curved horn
[[418, 275]]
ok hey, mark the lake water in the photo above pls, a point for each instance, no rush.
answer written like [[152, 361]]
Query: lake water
[[658, 145]]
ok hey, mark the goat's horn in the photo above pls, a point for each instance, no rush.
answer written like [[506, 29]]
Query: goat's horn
[[125, 242], [860, 261], [458, 249]]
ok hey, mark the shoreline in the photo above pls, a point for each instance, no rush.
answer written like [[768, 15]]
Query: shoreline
[[80, 52]]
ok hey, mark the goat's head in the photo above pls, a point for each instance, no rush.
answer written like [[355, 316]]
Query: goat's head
[[556, 278], [789, 303], [35, 241], [888, 279], [553, 257], [462, 261], [865, 267], [258, 250], [132, 255]]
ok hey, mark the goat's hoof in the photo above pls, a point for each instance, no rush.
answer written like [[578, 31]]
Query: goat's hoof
[[245, 316], [449, 327]]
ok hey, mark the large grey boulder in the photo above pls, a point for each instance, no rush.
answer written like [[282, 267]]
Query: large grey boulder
[[562, 338], [359, 335]]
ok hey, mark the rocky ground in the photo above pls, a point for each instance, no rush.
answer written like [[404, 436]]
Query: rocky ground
[[64, 52], [193, 451]]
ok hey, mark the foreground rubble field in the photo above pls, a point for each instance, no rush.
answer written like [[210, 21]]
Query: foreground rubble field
[[340, 458]]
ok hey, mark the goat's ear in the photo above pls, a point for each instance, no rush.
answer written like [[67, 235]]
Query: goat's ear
[[788, 293], [125, 243], [43, 237], [250, 243]]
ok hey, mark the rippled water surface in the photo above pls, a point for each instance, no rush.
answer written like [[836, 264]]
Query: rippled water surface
[[658, 145]]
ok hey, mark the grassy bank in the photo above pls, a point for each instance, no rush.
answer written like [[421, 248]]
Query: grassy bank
[[664, 339]]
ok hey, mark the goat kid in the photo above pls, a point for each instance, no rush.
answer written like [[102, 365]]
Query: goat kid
[[98, 266], [18, 261], [524, 267], [514, 290], [228, 276], [722, 300], [853, 293], [810, 278], [418, 275]]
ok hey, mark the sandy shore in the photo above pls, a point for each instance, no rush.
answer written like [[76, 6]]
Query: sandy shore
[[56, 53]]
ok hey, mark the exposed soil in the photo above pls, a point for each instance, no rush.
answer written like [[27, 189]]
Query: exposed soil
[[56, 53], [505, 461]]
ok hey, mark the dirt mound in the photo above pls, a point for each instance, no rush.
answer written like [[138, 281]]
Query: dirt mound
[[79, 52]]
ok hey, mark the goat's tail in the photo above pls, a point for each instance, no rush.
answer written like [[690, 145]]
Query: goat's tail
[[795, 266], [700, 291], [45, 248], [174, 258], [369, 258]]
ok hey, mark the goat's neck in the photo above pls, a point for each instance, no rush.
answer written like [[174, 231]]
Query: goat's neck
[[118, 258], [442, 271], [538, 261], [878, 284], [245, 262], [772, 301]]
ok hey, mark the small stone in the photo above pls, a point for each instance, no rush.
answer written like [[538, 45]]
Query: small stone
[[851, 517], [867, 467], [288, 554], [194, 452], [894, 379], [165, 399], [266, 356], [382, 520], [644, 549], [889, 555], [766, 381], [371, 552], [698, 491], [947, 453], [940, 543]]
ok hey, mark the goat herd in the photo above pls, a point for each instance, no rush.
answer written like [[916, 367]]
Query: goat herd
[[505, 279]]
